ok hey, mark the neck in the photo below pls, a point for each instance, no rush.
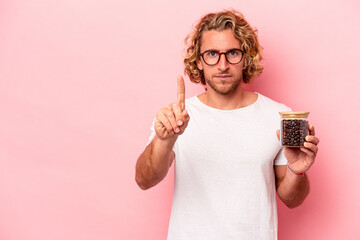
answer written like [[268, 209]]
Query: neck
[[238, 98]]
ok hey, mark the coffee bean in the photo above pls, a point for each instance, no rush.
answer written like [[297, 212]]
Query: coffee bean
[[293, 132]]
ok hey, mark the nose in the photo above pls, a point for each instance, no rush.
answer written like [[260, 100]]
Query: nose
[[223, 64]]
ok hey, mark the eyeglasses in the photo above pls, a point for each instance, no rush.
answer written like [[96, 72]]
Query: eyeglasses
[[212, 57]]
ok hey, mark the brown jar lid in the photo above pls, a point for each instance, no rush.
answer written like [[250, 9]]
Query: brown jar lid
[[294, 114]]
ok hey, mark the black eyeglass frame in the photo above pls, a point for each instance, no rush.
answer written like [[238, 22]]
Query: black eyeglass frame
[[220, 53]]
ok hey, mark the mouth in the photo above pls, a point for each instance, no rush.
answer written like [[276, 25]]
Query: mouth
[[222, 76]]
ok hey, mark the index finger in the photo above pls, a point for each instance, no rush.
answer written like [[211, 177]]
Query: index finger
[[311, 130], [181, 92]]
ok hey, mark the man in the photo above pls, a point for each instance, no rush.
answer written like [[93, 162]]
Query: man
[[229, 163]]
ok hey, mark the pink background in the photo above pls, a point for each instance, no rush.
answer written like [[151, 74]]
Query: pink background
[[81, 81]]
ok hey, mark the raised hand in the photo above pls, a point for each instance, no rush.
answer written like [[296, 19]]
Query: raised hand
[[172, 120]]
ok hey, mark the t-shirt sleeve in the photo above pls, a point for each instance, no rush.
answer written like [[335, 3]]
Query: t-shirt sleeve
[[152, 132], [280, 159]]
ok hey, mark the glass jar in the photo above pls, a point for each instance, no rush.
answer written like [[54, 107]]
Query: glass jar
[[294, 128]]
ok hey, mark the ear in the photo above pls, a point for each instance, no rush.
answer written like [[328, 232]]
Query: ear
[[199, 64]]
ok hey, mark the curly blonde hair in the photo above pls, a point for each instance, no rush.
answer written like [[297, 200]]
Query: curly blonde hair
[[247, 36]]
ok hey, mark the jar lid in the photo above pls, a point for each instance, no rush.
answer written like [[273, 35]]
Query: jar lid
[[294, 114]]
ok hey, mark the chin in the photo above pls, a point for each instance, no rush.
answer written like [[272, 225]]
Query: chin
[[223, 88], [226, 90]]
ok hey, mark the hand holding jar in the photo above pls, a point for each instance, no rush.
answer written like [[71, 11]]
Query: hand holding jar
[[299, 140]]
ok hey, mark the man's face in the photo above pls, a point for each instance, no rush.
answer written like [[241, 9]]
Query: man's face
[[223, 77]]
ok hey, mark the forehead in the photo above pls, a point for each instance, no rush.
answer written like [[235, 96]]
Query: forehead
[[219, 40]]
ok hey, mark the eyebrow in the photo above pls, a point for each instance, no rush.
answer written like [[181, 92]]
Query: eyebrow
[[216, 50]]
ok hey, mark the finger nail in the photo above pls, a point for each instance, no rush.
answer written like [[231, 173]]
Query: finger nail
[[177, 130], [180, 122], [307, 138]]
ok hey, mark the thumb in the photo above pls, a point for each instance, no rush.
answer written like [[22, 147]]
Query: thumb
[[278, 134]]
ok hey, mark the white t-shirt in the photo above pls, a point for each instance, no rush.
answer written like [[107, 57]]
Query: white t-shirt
[[224, 173]]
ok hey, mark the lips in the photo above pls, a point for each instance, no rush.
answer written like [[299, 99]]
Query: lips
[[223, 76]]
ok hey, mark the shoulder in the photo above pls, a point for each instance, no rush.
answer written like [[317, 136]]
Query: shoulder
[[272, 105], [193, 102]]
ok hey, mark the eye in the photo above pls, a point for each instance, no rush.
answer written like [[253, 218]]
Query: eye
[[212, 53], [233, 52]]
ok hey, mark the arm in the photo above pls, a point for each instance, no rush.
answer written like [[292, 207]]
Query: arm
[[292, 188], [154, 163]]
